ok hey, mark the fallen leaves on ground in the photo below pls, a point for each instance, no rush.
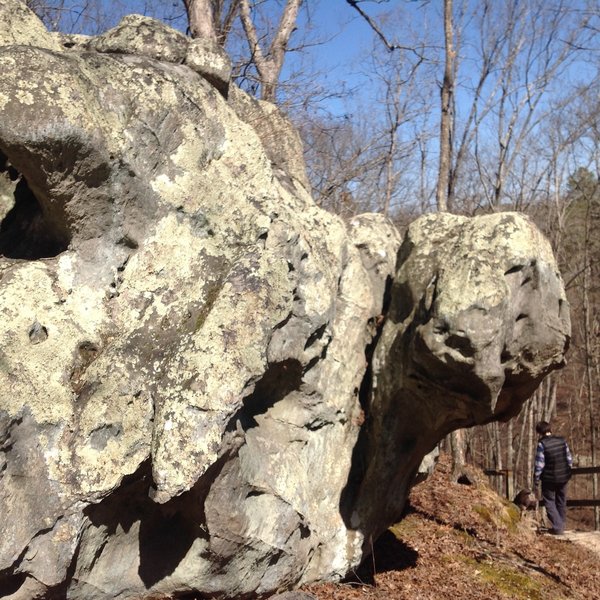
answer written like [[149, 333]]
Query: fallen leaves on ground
[[464, 541]]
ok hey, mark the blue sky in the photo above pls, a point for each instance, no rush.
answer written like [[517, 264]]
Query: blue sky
[[347, 40]]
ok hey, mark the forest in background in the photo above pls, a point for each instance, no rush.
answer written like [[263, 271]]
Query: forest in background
[[467, 106]]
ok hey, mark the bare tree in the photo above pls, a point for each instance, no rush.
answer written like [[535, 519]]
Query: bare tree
[[269, 62], [401, 102], [590, 355], [341, 158], [201, 18], [444, 167], [535, 44], [447, 110], [370, 160], [583, 288]]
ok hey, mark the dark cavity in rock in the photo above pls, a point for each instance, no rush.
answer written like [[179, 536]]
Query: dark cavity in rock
[[25, 231]]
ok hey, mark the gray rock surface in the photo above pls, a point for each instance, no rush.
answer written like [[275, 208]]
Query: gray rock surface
[[142, 36], [206, 57], [208, 384], [281, 142], [21, 26]]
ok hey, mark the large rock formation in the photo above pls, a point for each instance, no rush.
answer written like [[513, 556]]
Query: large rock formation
[[207, 383]]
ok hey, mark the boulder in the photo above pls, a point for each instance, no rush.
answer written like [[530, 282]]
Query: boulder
[[21, 26], [478, 317], [76, 41], [280, 140], [206, 57], [209, 385], [142, 36]]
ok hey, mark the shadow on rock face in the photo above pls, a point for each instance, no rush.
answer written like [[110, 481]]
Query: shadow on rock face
[[174, 532], [131, 537], [278, 381]]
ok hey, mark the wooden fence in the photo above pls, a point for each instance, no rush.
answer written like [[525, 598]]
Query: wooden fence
[[509, 490]]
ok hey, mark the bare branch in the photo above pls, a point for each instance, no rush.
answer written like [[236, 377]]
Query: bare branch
[[377, 30], [251, 35], [287, 24], [227, 21]]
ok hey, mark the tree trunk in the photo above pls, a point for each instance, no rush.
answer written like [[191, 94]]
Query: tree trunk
[[201, 19], [389, 168], [458, 444], [589, 357], [531, 445], [510, 461], [447, 117]]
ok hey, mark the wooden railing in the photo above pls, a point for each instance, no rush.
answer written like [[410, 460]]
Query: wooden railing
[[507, 474], [509, 490], [588, 502]]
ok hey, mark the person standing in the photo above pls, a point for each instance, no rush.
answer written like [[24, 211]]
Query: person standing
[[553, 463]]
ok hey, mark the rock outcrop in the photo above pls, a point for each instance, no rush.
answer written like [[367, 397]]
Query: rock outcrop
[[478, 317], [208, 384]]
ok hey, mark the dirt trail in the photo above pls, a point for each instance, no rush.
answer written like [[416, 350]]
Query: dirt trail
[[589, 539]]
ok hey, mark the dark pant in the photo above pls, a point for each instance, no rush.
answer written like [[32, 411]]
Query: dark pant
[[555, 501]]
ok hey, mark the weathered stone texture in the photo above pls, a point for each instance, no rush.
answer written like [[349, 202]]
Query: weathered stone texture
[[281, 142], [478, 317], [211, 61], [21, 27], [206, 382], [143, 36]]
